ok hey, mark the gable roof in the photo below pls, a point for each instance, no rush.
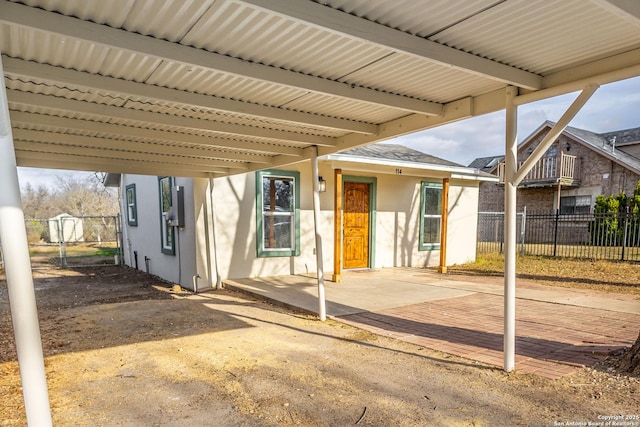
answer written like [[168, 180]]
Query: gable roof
[[391, 158], [211, 88], [398, 152], [599, 142]]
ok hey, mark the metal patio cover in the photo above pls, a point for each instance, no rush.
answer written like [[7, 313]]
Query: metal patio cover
[[206, 88]]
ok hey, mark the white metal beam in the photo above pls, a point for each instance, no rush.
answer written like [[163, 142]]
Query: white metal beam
[[22, 298], [608, 70], [559, 127], [65, 26], [109, 147], [27, 119], [95, 83], [338, 22], [453, 111], [102, 112], [197, 165], [92, 164]]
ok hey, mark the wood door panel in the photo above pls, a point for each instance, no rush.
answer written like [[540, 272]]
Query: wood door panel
[[356, 225]]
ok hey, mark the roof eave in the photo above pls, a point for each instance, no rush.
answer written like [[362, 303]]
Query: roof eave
[[457, 172]]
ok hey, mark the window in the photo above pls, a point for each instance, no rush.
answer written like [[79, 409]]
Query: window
[[166, 230], [575, 205], [430, 215], [278, 213], [132, 209], [552, 151]]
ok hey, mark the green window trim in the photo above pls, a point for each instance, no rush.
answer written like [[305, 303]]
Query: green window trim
[[132, 204], [430, 191], [294, 211], [167, 232]]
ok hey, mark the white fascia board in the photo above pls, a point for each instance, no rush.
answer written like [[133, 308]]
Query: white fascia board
[[460, 172], [479, 177]]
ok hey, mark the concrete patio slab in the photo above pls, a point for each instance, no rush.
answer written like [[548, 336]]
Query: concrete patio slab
[[557, 329]]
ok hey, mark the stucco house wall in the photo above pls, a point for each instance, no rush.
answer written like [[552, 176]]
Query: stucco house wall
[[142, 242], [219, 237]]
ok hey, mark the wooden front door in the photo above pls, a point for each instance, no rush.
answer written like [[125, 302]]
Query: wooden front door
[[356, 225]]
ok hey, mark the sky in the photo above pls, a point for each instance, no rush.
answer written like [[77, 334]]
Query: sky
[[615, 106]]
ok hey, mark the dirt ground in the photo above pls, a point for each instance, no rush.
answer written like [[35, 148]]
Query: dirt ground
[[122, 349]]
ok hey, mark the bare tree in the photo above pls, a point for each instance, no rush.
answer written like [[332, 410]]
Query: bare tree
[[74, 196], [36, 202]]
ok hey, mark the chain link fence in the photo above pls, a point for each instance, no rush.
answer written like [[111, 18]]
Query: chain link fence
[[68, 241], [612, 236]]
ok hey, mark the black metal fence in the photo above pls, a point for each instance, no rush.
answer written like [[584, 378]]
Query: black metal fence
[[592, 236]]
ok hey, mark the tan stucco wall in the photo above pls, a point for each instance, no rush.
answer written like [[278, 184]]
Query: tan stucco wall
[[231, 253], [396, 228]]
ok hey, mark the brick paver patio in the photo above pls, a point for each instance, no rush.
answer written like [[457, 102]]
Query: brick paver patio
[[558, 330], [552, 340]]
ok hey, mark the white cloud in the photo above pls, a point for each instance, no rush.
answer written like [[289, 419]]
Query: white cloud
[[615, 106]]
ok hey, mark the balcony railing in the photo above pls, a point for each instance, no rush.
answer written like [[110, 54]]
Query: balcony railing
[[549, 170]]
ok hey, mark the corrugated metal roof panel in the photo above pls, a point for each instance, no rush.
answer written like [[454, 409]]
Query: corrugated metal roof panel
[[542, 36], [240, 31], [359, 111], [224, 85], [162, 19], [112, 13], [44, 48], [62, 91], [415, 17], [404, 74]]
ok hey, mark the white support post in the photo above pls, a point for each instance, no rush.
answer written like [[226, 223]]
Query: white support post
[[214, 234], [513, 176], [322, 312], [511, 158], [22, 298]]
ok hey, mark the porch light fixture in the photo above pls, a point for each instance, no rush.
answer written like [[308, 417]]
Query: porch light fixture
[[322, 185], [567, 146]]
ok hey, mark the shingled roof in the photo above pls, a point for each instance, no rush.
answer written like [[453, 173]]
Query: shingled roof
[[485, 164], [398, 152], [603, 144], [600, 142]]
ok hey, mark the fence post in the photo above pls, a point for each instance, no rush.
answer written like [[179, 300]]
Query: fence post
[[625, 232], [555, 232], [60, 240], [523, 229], [119, 239]]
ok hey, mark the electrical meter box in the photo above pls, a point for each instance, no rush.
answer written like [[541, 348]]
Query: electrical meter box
[[176, 213]]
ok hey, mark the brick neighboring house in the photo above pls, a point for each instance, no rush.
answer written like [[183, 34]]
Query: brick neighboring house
[[581, 164]]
